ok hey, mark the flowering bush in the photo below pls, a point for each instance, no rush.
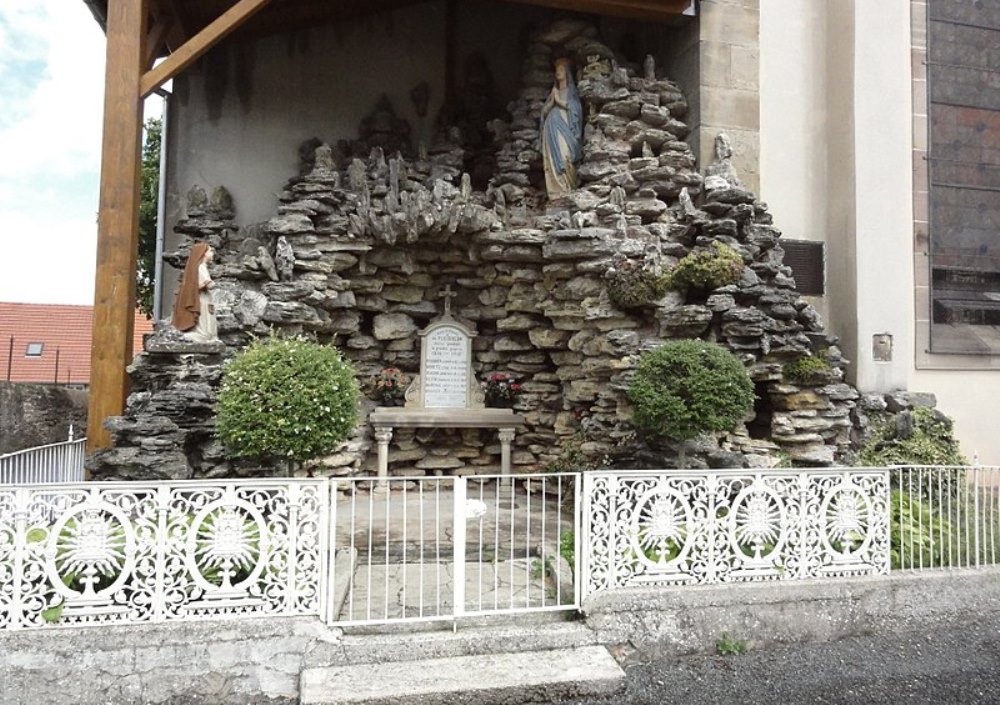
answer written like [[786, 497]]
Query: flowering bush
[[286, 398], [390, 385], [500, 388]]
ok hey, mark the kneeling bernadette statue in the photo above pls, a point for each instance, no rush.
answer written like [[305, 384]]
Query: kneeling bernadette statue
[[194, 311], [562, 132]]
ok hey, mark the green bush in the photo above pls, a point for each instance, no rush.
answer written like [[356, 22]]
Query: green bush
[[633, 283], [727, 645], [805, 369], [687, 387], [720, 265], [919, 437], [286, 398], [918, 536]]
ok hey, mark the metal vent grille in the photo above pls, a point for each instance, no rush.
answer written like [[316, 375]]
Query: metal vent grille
[[806, 258]]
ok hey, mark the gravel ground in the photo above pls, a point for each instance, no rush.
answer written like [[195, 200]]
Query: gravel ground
[[953, 663]]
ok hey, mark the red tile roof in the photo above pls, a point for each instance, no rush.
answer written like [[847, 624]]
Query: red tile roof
[[60, 329]]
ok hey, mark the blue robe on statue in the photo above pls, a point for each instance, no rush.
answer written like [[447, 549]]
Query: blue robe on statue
[[562, 137]]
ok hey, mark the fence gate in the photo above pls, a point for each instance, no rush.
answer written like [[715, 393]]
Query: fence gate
[[443, 547]]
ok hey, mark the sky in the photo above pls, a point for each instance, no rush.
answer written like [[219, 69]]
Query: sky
[[51, 93]]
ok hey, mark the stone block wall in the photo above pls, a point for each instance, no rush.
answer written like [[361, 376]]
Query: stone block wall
[[728, 54]]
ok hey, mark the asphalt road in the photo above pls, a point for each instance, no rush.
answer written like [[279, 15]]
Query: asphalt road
[[940, 664]]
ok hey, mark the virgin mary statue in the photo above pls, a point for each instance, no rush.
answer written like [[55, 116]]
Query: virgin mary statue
[[562, 132]]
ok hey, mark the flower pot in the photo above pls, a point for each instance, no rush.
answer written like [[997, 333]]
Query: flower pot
[[500, 403]]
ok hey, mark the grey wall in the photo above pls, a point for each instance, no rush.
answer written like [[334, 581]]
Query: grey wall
[[238, 117], [37, 414]]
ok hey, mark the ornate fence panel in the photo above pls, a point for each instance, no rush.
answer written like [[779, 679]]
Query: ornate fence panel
[[130, 553], [702, 527]]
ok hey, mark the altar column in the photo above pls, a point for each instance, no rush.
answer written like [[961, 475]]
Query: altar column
[[506, 485], [383, 435]]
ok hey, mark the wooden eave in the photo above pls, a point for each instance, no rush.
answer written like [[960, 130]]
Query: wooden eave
[[281, 16]]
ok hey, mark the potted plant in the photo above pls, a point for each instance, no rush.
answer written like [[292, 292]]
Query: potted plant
[[390, 386], [500, 390]]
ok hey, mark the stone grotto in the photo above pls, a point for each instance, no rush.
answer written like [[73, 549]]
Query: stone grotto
[[371, 231]]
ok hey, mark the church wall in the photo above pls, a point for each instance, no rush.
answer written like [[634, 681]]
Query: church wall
[[795, 152], [967, 384], [884, 191], [837, 135], [838, 82], [729, 83]]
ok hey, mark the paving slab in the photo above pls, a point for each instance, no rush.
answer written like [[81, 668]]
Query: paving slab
[[489, 679]]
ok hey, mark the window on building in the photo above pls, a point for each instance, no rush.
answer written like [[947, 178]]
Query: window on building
[[34, 350], [963, 80], [806, 258]]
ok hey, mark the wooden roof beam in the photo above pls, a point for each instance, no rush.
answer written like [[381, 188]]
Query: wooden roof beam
[[178, 30], [154, 40], [196, 46], [656, 10]]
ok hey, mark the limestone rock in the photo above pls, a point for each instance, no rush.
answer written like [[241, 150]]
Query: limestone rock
[[393, 326]]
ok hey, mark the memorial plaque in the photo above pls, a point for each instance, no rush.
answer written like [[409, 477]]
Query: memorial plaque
[[446, 368]]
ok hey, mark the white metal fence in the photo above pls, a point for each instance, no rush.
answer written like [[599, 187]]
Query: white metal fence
[[57, 462], [945, 517], [443, 547], [127, 552], [698, 527], [352, 551]]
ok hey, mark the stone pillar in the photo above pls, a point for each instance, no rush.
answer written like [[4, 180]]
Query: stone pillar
[[728, 91], [506, 485], [383, 435]]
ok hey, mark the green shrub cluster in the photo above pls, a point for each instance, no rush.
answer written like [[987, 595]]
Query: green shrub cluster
[[927, 440], [633, 283], [286, 399], [805, 369], [719, 265], [919, 537], [687, 387]]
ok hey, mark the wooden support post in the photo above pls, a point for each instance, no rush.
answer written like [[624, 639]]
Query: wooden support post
[[118, 220]]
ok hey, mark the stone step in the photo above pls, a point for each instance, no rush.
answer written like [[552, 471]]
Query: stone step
[[475, 636], [500, 679]]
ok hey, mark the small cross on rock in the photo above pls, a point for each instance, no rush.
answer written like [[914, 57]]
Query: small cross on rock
[[447, 295]]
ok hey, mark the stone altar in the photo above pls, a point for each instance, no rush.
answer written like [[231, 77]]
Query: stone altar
[[445, 394]]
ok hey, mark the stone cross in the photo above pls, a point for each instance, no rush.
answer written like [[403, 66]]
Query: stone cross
[[447, 295]]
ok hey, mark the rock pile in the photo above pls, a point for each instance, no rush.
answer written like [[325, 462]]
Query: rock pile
[[360, 250]]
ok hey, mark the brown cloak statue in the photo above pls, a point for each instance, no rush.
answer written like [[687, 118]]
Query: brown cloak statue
[[187, 307]]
